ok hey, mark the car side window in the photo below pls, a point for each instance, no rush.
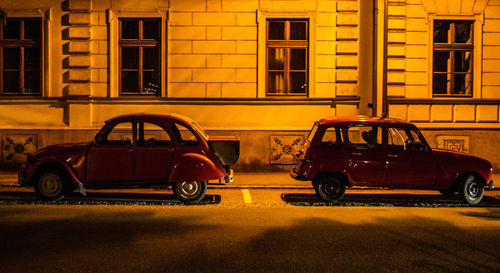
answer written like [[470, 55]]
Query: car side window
[[405, 139], [184, 135], [365, 137], [121, 135], [333, 137], [150, 134]]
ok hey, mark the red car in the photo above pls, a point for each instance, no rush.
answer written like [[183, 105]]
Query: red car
[[135, 150], [383, 152]]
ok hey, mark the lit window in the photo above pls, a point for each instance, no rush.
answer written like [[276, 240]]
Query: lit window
[[139, 43], [452, 65], [287, 56], [21, 56]]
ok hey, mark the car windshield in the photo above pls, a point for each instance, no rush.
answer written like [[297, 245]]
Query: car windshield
[[193, 123], [312, 132]]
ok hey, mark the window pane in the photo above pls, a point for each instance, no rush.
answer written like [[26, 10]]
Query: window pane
[[276, 59], [32, 29], [298, 59], [150, 82], [463, 84], [130, 57], [441, 29], [276, 82], [276, 30], [11, 30], [150, 55], [298, 31], [332, 135], [11, 82], [130, 29], [11, 58], [298, 82], [151, 30], [121, 134], [152, 135], [441, 61], [32, 82], [440, 83], [463, 61], [463, 33], [32, 58], [130, 81]]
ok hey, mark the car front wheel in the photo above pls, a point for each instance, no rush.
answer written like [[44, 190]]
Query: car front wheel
[[331, 189], [190, 192], [472, 190], [50, 185]]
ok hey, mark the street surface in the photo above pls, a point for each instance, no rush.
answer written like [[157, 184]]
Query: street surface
[[247, 227]]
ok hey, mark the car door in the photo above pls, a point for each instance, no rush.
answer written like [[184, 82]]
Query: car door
[[154, 151], [410, 163], [366, 154], [110, 159]]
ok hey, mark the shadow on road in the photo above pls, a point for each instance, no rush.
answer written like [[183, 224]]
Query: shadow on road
[[385, 200], [103, 198]]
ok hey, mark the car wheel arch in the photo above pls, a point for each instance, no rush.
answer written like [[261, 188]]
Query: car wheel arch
[[464, 175], [207, 170], [53, 166], [343, 177]]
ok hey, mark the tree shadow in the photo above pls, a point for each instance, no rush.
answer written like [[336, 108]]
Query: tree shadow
[[386, 200]]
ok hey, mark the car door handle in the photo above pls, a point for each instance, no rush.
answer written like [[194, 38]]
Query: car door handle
[[391, 155], [131, 150], [356, 153]]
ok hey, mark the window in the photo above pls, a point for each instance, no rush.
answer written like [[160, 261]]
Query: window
[[120, 134], [405, 139], [287, 50], [139, 45], [333, 136], [452, 60], [150, 134], [363, 136], [21, 56], [184, 135]]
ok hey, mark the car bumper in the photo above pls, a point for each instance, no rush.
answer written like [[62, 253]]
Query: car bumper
[[296, 176], [229, 178], [490, 185]]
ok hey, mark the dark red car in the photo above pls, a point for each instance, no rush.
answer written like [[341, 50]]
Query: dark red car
[[135, 150], [368, 151]]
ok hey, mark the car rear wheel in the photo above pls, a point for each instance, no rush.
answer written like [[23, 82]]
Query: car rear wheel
[[472, 190], [49, 185], [190, 192], [331, 188]]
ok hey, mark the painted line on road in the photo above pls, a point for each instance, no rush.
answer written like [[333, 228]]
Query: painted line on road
[[247, 198]]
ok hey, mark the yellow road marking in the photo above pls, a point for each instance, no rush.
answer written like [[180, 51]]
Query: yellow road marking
[[246, 196]]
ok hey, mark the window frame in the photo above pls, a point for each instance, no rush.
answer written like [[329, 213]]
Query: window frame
[[114, 16], [477, 41], [262, 16], [44, 15], [452, 47], [287, 45]]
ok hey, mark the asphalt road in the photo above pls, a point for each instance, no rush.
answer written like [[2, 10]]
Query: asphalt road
[[248, 230]]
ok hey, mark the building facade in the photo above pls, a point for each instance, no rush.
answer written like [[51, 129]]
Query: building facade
[[263, 70]]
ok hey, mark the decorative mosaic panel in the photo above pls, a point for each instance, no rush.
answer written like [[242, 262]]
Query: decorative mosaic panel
[[284, 149], [16, 147], [457, 143]]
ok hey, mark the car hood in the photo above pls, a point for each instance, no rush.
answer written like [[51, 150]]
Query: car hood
[[453, 153], [64, 150], [459, 162]]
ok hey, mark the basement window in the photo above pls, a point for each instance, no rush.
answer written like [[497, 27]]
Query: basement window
[[139, 49], [452, 58], [287, 47], [21, 56]]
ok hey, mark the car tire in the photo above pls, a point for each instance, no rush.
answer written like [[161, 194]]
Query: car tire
[[331, 188], [471, 190], [190, 192], [50, 185]]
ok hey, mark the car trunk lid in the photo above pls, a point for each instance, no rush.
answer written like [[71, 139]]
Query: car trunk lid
[[226, 148]]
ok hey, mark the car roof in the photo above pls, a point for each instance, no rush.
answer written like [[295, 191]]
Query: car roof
[[345, 120], [173, 116]]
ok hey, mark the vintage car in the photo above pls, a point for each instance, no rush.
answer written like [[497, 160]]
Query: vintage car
[[342, 152], [135, 150]]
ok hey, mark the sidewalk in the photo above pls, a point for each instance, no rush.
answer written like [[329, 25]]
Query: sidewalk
[[270, 180]]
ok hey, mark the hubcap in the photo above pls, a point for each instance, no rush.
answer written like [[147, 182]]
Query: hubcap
[[50, 185], [189, 189], [330, 189], [473, 190]]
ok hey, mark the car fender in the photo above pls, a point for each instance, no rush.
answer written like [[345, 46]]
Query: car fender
[[195, 167], [58, 162]]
